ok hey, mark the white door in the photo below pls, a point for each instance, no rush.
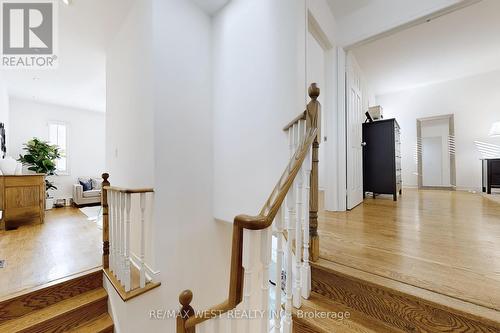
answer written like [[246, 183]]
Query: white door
[[354, 120]]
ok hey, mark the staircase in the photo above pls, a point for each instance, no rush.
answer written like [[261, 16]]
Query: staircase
[[74, 304], [378, 304]]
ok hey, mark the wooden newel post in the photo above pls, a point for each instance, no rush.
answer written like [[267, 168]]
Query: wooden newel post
[[313, 119], [105, 222], [185, 312]]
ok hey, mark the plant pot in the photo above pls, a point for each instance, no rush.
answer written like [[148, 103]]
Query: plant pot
[[49, 203], [8, 166]]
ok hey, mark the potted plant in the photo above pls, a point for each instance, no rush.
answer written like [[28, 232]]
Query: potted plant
[[41, 158]]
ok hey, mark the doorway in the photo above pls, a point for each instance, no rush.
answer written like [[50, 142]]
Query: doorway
[[316, 72], [436, 152], [320, 67]]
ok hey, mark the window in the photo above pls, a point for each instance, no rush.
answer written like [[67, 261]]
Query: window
[[58, 136]]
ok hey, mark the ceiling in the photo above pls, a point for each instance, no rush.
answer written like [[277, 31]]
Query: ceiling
[[358, 20], [211, 6], [85, 29], [463, 43], [343, 8]]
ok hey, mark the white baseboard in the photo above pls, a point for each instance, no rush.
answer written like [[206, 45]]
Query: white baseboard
[[458, 188]]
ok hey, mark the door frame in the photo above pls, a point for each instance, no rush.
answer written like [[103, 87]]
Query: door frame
[[451, 142], [331, 113]]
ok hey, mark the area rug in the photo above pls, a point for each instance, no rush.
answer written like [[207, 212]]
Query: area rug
[[93, 214]]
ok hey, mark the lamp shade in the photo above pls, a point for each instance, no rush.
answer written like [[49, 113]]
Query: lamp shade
[[495, 129]]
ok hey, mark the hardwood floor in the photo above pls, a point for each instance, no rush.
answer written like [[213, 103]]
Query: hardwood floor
[[66, 244], [446, 242]]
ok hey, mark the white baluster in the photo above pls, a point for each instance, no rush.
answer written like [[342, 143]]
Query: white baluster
[[116, 222], [116, 204], [235, 325], [296, 129], [121, 204], [127, 282], [297, 294], [142, 279], [109, 194], [122, 234], [217, 325], [290, 141], [227, 324], [279, 267], [248, 259], [287, 322], [306, 268], [265, 257]]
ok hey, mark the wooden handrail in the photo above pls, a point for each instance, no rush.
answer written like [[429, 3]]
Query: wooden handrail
[[187, 320], [129, 190], [258, 222], [300, 116]]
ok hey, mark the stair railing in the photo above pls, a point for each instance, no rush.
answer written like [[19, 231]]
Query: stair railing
[[258, 280], [125, 265]]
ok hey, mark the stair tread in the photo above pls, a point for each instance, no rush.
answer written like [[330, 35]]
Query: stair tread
[[24, 302], [407, 289], [53, 311], [99, 324], [354, 322], [402, 306]]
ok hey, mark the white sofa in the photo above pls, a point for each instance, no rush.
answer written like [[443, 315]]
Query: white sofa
[[90, 197]]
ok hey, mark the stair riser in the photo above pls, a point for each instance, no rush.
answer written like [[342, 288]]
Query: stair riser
[[39, 299], [402, 311], [71, 319]]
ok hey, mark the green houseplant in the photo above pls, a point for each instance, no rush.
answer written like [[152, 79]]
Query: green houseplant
[[41, 157]]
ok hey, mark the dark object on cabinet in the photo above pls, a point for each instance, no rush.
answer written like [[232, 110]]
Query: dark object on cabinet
[[491, 174], [382, 158], [3, 147]]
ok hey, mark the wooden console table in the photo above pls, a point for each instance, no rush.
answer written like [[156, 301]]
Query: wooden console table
[[22, 200]]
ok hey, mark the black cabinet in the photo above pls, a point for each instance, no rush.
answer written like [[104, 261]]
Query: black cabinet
[[382, 158], [491, 174]]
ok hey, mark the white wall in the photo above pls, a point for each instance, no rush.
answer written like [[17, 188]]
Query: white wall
[[29, 119], [129, 101], [474, 101], [159, 84], [255, 95], [261, 76], [195, 249]]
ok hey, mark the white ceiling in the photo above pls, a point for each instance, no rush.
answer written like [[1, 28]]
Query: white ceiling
[[85, 29], [358, 20], [211, 6], [459, 44], [343, 8]]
